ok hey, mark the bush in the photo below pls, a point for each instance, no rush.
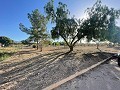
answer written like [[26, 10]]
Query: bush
[[34, 46], [5, 41]]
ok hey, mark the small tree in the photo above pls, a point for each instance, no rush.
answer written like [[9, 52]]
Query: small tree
[[38, 29]]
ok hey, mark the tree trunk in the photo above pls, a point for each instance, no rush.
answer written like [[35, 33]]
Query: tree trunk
[[41, 47], [71, 48], [37, 44], [97, 46]]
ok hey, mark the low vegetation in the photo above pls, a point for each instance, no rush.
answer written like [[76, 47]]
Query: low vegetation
[[6, 52], [5, 41]]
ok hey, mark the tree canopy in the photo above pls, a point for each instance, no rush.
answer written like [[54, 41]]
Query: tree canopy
[[112, 28], [116, 35], [95, 27], [100, 23], [66, 28]]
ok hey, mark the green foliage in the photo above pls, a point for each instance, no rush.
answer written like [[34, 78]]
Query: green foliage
[[62, 43], [95, 27], [47, 42], [38, 30], [58, 13], [112, 28], [25, 42], [5, 41], [116, 35], [6, 52], [56, 43], [66, 28], [100, 25], [3, 56]]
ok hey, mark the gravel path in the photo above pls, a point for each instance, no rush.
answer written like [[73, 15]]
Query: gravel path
[[105, 77]]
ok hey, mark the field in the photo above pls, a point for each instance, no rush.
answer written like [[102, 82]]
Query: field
[[32, 69]]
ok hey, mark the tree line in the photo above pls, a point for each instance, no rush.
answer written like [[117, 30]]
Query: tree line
[[5, 41], [98, 26]]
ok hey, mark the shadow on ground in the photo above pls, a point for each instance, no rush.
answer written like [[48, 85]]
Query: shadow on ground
[[114, 47], [99, 55], [46, 69]]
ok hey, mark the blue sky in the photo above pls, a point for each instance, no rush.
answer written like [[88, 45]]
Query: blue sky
[[13, 12]]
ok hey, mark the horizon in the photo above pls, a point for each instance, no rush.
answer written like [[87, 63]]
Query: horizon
[[14, 12]]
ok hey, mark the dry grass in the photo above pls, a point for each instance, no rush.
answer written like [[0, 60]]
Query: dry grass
[[6, 52]]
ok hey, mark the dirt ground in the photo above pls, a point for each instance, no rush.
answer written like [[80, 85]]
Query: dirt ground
[[29, 69], [104, 77]]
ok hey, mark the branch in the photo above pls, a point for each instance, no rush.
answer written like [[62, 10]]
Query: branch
[[65, 39], [73, 39], [24, 29], [77, 40]]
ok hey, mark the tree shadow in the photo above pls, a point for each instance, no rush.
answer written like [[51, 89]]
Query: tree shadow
[[20, 69], [31, 60], [57, 48], [114, 47], [117, 48], [99, 49], [45, 65], [97, 55]]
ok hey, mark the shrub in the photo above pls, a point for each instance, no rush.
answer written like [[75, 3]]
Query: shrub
[[34, 46]]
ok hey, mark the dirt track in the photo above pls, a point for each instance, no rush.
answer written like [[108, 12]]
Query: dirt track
[[47, 67]]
